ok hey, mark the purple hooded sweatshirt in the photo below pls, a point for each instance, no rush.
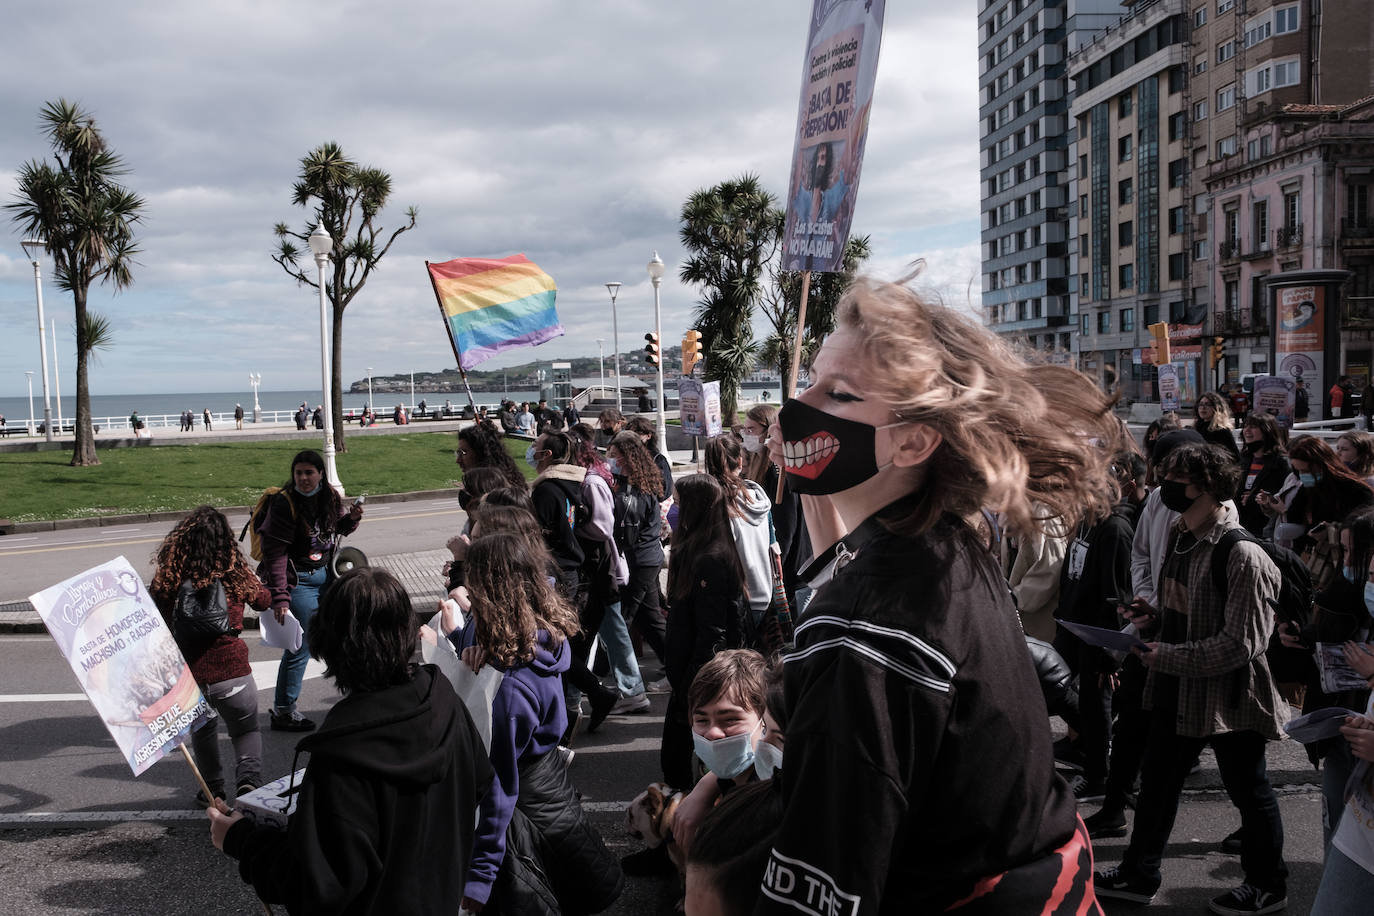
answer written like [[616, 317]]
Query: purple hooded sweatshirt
[[527, 719]]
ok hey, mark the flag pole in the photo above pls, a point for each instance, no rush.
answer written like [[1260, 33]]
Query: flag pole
[[462, 373], [791, 390]]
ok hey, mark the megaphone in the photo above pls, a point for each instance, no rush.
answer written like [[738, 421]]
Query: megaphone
[[346, 558]]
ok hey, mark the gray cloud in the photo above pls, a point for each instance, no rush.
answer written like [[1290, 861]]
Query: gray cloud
[[571, 132]]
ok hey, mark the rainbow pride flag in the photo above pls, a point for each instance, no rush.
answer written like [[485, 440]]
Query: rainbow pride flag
[[491, 305]]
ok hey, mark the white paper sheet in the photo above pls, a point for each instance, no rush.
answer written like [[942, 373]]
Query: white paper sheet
[[287, 635]]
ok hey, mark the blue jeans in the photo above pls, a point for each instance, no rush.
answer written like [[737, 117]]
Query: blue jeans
[[615, 636], [305, 598], [1346, 887]]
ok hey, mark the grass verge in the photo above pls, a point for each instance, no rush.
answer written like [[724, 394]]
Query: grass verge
[[41, 486]]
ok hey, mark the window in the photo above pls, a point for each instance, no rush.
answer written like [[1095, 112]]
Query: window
[[1226, 51], [1287, 73], [1123, 148], [1083, 205], [1178, 266], [1151, 314], [1200, 17], [1087, 293], [1104, 322], [1224, 6], [1226, 146], [1226, 98], [1230, 297], [1087, 319], [1125, 191], [1200, 110], [1176, 80], [1123, 105], [1200, 250], [1292, 210], [1178, 126], [1232, 228], [1256, 32], [1260, 80], [1178, 169], [1357, 205], [1125, 234], [1127, 319], [1285, 20], [1083, 167], [1177, 218], [1126, 276], [1200, 64], [1259, 224]]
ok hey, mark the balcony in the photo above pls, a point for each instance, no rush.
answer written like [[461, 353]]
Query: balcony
[[1259, 248], [1357, 232], [1289, 236], [1357, 311], [1229, 250], [1230, 322]]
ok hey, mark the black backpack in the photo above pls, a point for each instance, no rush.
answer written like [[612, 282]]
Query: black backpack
[[1293, 605]]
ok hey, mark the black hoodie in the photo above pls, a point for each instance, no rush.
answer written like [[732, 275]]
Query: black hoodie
[[387, 808]]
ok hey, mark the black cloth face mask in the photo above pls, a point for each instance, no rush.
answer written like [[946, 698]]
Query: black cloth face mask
[[1173, 493], [824, 453]]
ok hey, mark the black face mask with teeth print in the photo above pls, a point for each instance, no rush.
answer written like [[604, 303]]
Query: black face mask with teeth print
[[823, 453]]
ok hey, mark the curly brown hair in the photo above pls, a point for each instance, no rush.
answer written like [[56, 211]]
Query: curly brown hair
[[508, 581], [639, 468], [199, 549]]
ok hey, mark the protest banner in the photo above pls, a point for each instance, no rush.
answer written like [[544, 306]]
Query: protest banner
[[1277, 397], [107, 627], [1300, 331], [1168, 387], [699, 407], [832, 127]]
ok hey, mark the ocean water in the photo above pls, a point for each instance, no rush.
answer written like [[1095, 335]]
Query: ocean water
[[117, 407]]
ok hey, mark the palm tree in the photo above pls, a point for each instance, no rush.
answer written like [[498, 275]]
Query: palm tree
[[340, 192], [86, 219], [783, 300], [731, 232]]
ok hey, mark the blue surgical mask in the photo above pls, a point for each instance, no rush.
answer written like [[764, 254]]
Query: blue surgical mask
[[614, 466], [672, 517], [529, 458], [767, 759], [1369, 598], [1307, 480], [726, 757], [312, 492]]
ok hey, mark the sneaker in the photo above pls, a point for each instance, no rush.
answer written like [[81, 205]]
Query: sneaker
[[1107, 823], [203, 802], [567, 755], [1085, 791], [1248, 899], [1113, 884], [246, 785], [1231, 844], [659, 686], [290, 721], [627, 706]]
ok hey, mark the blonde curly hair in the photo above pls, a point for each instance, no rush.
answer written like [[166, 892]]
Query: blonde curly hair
[[1032, 442]]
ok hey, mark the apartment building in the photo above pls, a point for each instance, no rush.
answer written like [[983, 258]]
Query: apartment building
[[1025, 171], [1129, 244]]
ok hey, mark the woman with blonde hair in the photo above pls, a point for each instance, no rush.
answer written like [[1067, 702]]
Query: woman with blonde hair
[[1215, 425], [911, 684]]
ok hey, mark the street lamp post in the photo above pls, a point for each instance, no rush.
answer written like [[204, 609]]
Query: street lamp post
[[614, 289], [369, 387], [33, 248], [255, 379], [56, 380], [656, 278], [28, 373], [321, 244], [601, 361]]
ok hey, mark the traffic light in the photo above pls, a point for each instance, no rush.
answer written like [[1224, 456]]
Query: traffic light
[[651, 351], [691, 351], [1160, 334], [1218, 349]]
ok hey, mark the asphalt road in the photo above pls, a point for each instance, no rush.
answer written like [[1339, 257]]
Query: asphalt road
[[33, 561]]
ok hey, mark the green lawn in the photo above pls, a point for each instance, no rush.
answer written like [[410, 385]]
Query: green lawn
[[41, 485]]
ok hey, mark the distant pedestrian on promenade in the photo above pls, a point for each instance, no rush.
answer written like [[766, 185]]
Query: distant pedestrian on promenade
[[136, 423], [238, 416], [317, 418], [199, 555], [301, 416], [298, 532], [385, 821], [205, 414]]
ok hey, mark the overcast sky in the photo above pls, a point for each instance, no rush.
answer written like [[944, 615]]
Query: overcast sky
[[572, 132]]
